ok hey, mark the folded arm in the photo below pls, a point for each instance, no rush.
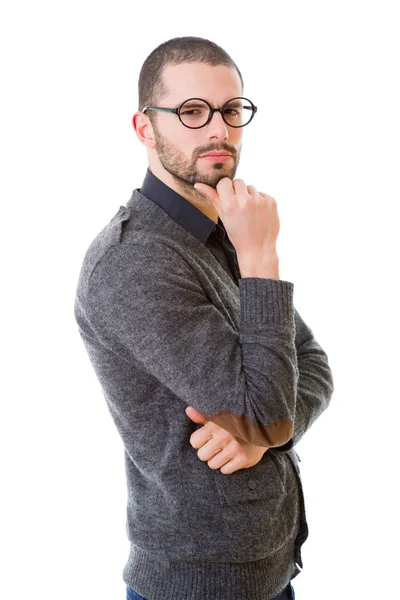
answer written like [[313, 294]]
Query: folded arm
[[315, 384], [147, 304]]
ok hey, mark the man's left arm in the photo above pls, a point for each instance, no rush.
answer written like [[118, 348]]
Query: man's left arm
[[315, 384], [222, 450]]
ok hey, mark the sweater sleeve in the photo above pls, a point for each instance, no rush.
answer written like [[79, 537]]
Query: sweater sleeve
[[146, 304], [315, 385]]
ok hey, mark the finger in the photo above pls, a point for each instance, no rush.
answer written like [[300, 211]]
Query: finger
[[200, 437], [195, 415], [208, 451], [252, 191], [271, 198], [207, 191], [219, 459], [225, 188], [215, 442], [240, 187], [233, 465]]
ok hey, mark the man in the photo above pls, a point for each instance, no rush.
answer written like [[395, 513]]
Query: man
[[209, 372]]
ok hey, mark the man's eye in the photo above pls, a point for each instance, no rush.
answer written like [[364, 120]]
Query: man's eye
[[193, 111]]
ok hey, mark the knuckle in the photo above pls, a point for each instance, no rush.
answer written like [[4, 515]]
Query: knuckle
[[249, 198], [223, 182], [270, 199], [235, 446], [242, 456], [225, 436]]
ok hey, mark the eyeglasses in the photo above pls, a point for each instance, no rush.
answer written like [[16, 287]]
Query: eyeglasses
[[196, 112]]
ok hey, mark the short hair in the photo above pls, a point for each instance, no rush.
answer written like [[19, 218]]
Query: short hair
[[173, 52]]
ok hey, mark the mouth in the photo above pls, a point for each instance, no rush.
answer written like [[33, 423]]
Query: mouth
[[215, 156]]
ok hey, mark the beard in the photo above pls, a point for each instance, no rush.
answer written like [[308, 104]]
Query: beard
[[185, 172]]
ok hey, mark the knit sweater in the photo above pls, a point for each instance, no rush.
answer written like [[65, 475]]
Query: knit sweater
[[168, 322]]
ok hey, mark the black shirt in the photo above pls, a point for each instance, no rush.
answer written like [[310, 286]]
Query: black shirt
[[212, 234]]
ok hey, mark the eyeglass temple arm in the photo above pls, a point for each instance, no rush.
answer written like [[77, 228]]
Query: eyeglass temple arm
[[170, 110]]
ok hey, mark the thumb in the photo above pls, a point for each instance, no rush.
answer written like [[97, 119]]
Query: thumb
[[195, 416], [207, 191]]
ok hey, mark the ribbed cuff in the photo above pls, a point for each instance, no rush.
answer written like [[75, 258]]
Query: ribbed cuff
[[266, 301]]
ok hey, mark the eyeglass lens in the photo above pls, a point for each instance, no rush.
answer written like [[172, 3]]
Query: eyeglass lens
[[195, 112]]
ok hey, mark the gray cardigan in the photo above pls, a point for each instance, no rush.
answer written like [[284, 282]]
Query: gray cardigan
[[166, 327]]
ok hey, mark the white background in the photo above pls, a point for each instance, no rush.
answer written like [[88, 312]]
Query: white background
[[324, 143]]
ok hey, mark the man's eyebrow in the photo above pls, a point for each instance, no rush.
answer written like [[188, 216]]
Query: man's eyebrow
[[236, 104], [192, 103]]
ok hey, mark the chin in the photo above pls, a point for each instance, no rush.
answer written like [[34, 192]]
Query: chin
[[212, 181]]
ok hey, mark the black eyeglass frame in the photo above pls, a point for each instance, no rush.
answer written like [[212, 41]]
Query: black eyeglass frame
[[177, 111]]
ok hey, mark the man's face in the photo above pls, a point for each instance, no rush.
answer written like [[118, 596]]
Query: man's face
[[179, 148]]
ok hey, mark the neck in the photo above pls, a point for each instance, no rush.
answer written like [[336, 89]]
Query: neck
[[188, 193]]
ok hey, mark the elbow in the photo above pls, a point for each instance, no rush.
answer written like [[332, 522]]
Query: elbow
[[268, 436]]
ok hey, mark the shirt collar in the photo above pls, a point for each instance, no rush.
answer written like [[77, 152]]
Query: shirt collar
[[179, 209]]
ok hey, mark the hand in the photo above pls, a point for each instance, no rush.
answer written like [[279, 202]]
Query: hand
[[221, 449], [250, 217]]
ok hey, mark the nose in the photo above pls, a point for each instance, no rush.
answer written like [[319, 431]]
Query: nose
[[217, 128]]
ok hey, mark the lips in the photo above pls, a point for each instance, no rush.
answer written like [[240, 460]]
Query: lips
[[216, 154]]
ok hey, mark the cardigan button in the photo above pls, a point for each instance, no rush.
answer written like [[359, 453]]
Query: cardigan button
[[252, 484]]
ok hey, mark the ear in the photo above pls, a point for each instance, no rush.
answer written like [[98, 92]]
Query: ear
[[144, 130]]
